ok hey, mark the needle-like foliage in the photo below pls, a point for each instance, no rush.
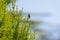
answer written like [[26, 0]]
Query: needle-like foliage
[[12, 24]]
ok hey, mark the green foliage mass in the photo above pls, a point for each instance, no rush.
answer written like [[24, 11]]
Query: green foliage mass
[[12, 24]]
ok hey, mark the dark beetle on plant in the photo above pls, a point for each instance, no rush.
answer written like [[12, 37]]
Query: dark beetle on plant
[[29, 16]]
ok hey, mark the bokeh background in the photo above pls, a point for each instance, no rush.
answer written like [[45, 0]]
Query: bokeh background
[[45, 11]]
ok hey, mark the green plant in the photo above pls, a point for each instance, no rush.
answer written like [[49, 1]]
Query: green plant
[[12, 26]]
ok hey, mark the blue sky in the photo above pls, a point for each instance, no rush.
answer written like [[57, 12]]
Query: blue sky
[[38, 6]]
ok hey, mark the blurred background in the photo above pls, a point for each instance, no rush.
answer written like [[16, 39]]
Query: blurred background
[[45, 11]]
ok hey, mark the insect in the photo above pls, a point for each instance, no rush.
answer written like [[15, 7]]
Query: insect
[[29, 16]]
